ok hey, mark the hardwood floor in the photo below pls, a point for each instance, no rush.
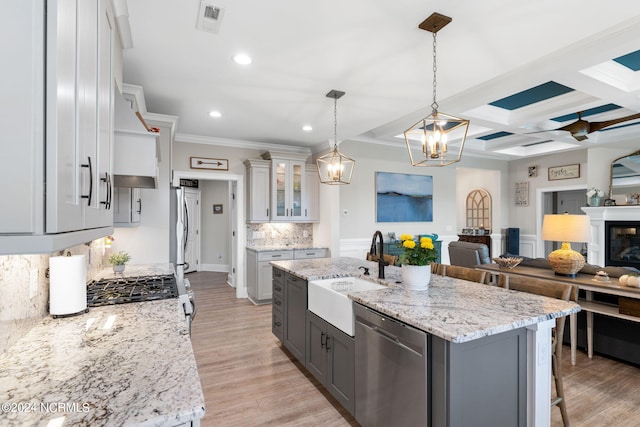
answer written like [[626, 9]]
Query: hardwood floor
[[249, 379]]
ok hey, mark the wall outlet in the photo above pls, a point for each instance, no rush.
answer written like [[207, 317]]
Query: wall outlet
[[449, 228], [33, 282], [305, 233], [258, 235]]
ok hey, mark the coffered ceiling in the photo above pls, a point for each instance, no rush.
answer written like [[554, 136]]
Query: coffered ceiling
[[517, 70]]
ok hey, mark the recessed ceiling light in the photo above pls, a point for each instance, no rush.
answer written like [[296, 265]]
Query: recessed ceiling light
[[307, 128], [242, 59], [215, 114]]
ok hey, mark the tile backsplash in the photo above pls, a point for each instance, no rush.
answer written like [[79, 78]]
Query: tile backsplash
[[24, 289], [276, 234]]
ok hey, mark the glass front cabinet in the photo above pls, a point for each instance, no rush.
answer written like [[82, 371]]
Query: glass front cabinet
[[288, 181]]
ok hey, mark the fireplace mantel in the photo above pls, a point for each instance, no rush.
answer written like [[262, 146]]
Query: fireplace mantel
[[597, 217]]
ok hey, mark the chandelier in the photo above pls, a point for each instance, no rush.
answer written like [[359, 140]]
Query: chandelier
[[334, 167], [428, 139]]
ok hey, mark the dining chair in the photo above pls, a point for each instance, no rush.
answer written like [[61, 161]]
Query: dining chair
[[435, 268], [559, 290], [390, 259], [465, 273]]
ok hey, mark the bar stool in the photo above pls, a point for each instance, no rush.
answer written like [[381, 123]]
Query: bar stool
[[563, 291]]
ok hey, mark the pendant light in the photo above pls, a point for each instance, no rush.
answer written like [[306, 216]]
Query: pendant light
[[428, 141], [334, 167]]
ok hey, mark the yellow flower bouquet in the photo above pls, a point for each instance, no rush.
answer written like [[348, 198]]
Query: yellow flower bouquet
[[417, 253]]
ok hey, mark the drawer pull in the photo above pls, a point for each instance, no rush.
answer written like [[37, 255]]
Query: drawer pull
[[277, 288], [278, 324], [277, 303], [276, 256]]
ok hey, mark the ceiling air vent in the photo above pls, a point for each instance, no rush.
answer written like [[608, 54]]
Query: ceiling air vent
[[209, 17]]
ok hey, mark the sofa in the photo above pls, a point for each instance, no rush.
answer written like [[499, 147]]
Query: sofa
[[467, 254]]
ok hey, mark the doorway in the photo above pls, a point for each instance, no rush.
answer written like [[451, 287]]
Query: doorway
[[236, 216], [554, 200], [192, 250]]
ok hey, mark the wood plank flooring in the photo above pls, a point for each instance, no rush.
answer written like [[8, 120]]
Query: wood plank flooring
[[249, 379]]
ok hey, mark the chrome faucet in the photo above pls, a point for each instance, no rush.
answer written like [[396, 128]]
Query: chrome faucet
[[374, 251]]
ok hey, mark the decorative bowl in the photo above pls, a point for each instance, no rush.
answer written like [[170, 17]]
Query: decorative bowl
[[508, 262]]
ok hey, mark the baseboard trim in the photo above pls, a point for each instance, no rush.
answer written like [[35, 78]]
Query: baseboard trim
[[218, 268]]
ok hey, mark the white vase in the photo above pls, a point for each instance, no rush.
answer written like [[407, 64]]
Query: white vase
[[118, 268], [416, 277]]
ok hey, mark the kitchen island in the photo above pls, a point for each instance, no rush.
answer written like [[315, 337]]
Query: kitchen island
[[462, 320], [125, 364]]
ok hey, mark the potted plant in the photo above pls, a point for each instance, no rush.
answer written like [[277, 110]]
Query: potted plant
[[118, 261], [416, 259]]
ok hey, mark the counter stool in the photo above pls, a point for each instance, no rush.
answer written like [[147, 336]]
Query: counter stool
[[464, 273], [563, 291]]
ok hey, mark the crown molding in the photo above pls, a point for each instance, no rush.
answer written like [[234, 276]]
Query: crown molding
[[236, 143]]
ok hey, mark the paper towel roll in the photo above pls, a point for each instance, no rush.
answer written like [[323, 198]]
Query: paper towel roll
[[68, 285]]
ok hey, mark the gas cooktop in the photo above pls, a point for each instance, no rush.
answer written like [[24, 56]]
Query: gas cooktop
[[131, 289]]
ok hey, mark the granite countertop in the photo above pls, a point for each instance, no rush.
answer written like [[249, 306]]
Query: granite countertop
[[329, 268], [140, 370], [267, 248], [134, 270], [453, 309]]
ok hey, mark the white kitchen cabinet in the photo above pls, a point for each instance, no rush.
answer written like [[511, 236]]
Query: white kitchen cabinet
[[58, 122], [259, 273], [127, 207], [311, 202], [258, 196], [288, 176], [310, 253]]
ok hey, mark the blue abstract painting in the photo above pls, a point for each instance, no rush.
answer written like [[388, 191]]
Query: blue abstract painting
[[404, 198]]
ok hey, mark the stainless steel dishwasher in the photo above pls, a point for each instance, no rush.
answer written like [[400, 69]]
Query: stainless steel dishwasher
[[392, 376]]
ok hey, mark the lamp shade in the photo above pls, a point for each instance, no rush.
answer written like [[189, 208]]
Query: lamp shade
[[565, 228]]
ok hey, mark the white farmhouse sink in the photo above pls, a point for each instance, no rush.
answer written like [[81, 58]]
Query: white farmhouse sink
[[328, 299]]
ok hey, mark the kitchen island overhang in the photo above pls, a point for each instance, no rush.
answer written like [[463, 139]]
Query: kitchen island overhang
[[458, 312]]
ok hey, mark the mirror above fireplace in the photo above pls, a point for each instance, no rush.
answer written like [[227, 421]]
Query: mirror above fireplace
[[625, 175]]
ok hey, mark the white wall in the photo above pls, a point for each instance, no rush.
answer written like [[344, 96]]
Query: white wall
[[358, 198], [524, 217], [214, 230], [149, 242]]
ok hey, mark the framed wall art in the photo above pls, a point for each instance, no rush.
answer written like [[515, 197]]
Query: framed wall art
[[564, 172], [217, 209], [403, 198], [533, 171], [522, 194], [207, 163]]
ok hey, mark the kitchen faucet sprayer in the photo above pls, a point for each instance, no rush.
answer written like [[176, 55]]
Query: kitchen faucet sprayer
[[373, 251]]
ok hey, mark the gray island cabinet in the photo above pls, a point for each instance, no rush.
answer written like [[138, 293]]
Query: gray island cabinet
[[456, 354]]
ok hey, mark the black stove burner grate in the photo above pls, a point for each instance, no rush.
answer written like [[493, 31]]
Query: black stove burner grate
[[131, 289]]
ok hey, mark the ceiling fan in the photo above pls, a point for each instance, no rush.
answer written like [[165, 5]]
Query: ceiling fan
[[581, 128]]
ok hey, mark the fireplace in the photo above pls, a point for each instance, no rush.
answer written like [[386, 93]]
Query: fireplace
[[614, 235], [622, 243]]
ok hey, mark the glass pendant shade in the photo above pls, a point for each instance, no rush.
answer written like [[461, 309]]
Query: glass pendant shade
[[335, 168], [436, 140]]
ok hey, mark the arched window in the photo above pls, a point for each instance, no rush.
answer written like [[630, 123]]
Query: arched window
[[479, 209]]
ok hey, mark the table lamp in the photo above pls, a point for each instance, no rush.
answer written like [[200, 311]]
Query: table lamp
[[566, 228]]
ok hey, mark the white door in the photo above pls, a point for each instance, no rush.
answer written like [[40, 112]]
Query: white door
[[192, 251], [233, 233]]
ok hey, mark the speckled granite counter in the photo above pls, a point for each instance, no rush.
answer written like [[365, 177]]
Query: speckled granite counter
[[452, 309], [140, 370], [329, 268], [268, 248], [133, 270]]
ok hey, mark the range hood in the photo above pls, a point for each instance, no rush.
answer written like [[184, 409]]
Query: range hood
[[135, 153]]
